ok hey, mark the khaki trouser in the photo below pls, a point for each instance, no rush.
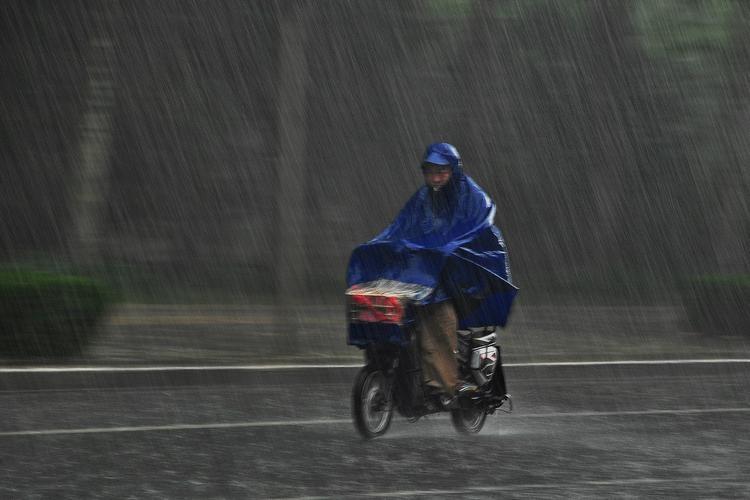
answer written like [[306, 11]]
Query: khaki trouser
[[436, 331]]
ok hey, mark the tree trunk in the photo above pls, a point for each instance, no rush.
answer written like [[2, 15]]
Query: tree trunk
[[291, 262], [90, 186]]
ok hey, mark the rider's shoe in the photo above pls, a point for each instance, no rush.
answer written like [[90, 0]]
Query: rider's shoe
[[449, 402], [466, 388]]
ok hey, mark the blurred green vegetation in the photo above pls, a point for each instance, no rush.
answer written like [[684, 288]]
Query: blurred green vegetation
[[682, 30], [738, 280], [46, 313], [449, 9]]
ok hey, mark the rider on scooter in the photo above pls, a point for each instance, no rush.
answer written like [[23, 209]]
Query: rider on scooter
[[437, 321], [443, 240]]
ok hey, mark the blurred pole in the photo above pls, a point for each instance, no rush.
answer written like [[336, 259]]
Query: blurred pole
[[291, 261], [90, 184]]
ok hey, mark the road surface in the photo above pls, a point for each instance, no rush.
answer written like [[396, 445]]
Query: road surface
[[676, 430]]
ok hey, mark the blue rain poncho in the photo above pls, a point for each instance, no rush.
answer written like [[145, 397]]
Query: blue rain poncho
[[442, 245]]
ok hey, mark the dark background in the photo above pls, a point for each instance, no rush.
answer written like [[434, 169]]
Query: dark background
[[239, 150]]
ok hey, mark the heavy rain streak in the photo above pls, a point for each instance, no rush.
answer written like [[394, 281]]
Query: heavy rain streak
[[183, 186]]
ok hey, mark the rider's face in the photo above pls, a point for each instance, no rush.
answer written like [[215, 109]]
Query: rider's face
[[436, 176]]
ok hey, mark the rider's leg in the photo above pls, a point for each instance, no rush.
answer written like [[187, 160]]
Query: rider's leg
[[436, 330]]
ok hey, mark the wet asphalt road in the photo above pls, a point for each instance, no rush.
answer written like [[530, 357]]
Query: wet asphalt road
[[671, 431]]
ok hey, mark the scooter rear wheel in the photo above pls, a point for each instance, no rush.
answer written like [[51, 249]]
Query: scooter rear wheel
[[372, 406], [468, 420]]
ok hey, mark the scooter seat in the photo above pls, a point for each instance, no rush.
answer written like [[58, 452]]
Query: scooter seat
[[485, 340], [479, 336]]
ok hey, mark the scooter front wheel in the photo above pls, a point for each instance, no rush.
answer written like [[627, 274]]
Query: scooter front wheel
[[372, 405]]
